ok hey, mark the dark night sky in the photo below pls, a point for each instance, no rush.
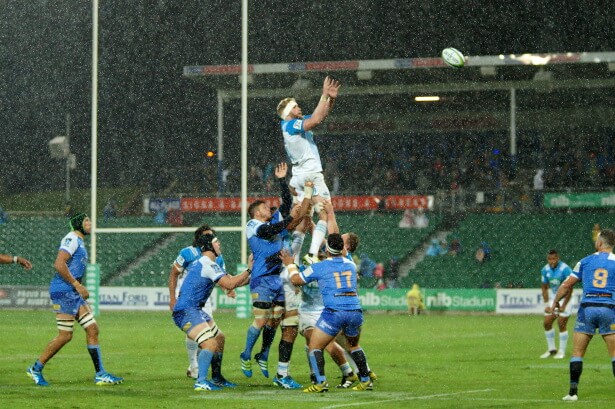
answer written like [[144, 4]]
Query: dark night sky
[[147, 110]]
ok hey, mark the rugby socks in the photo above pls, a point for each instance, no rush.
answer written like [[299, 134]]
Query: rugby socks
[[283, 369], [361, 360], [192, 348], [563, 341], [317, 361], [307, 352], [318, 235], [550, 335], [298, 238], [576, 368], [205, 357], [94, 351], [346, 369], [251, 338], [285, 350], [268, 336], [216, 365], [38, 366]]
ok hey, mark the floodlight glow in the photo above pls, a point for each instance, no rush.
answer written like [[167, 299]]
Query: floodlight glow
[[427, 99]]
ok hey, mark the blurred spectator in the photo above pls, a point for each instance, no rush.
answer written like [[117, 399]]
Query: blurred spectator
[[595, 232], [421, 220], [539, 185], [392, 272], [455, 247], [379, 276], [483, 253], [414, 298], [434, 249], [110, 210], [4, 217], [69, 210], [160, 217], [407, 220], [367, 266]]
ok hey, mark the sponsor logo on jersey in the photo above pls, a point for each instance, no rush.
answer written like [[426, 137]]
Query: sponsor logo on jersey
[[67, 241], [187, 326], [297, 125]]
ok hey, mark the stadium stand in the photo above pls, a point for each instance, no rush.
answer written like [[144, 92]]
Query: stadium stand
[[519, 245], [381, 239]]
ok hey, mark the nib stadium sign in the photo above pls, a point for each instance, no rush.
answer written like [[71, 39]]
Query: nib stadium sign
[[579, 200]]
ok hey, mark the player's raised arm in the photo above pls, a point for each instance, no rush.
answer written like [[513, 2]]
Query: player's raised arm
[[330, 89], [6, 259]]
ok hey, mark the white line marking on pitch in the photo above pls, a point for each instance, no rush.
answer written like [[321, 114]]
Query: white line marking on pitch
[[440, 395]]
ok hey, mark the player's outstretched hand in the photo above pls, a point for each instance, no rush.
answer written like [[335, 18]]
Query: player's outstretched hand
[[327, 206], [330, 87], [25, 263], [286, 257], [280, 170]]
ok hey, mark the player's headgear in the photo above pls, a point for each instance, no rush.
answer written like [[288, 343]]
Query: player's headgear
[[206, 243], [76, 222], [335, 244], [199, 232], [285, 106]]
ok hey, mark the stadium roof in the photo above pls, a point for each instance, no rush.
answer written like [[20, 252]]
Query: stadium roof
[[491, 72], [557, 90]]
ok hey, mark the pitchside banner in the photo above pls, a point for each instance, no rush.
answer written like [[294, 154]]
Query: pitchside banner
[[578, 200], [529, 301], [468, 299], [340, 203], [502, 301]]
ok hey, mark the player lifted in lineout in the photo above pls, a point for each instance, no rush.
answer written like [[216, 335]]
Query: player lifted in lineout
[[303, 152]]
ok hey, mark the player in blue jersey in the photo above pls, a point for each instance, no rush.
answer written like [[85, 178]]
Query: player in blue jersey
[[267, 234], [68, 297], [187, 256], [337, 282], [6, 259], [553, 275], [303, 152], [202, 275], [597, 311]]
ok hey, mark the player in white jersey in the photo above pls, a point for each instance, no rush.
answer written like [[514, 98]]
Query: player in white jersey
[[303, 152]]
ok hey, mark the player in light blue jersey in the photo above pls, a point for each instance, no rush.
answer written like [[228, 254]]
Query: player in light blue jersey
[[553, 275], [68, 297], [597, 311], [187, 256], [303, 152], [337, 282], [202, 275], [267, 233]]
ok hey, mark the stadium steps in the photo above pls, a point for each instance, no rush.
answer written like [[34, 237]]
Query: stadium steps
[[419, 254], [145, 256], [519, 243]]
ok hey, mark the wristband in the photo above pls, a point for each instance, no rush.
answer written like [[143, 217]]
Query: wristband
[[324, 98], [308, 191], [249, 270], [14, 259]]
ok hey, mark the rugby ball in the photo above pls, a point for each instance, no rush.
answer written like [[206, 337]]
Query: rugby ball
[[453, 57]]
